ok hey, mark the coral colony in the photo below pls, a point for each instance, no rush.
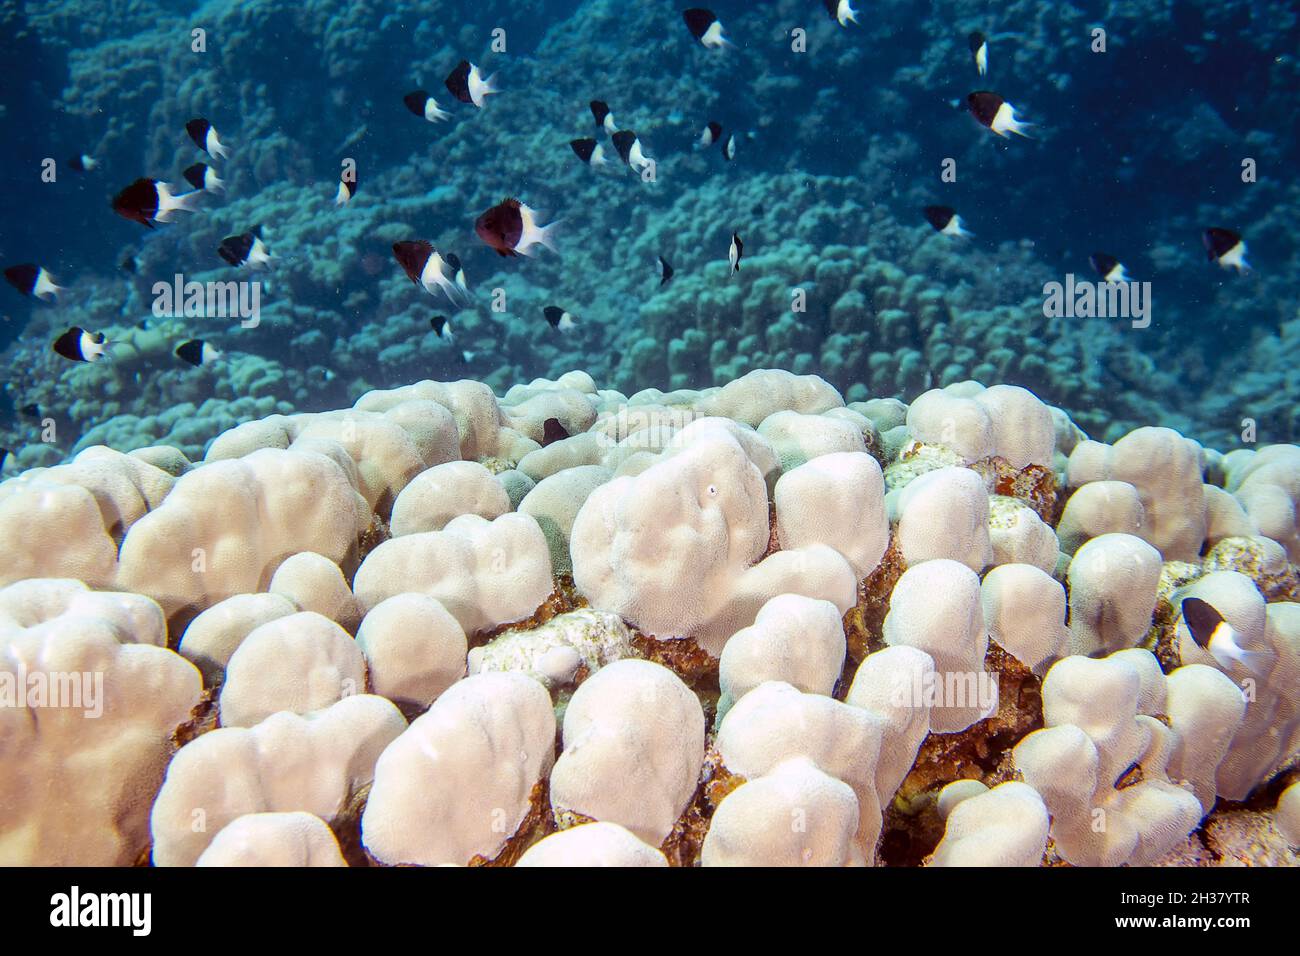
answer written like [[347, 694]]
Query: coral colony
[[480, 479]]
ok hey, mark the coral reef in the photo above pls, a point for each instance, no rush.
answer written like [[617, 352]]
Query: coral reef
[[761, 621]]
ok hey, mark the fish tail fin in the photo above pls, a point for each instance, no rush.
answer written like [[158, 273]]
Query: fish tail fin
[[483, 89], [535, 233], [169, 203], [458, 294], [45, 288], [218, 184], [548, 235], [220, 151], [1257, 662]]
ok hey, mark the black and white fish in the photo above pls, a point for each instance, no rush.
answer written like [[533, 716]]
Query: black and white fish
[[735, 252], [665, 271], [604, 118], [705, 27], [425, 266], [512, 229], [30, 279], [421, 103], [147, 201], [82, 163], [246, 249], [559, 320], [945, 221], [205, 137], [629, 148], [347, 189], [457, 273], [729, 148], [996, 114], [78, 345], [842, 11], [441, 326], [4, 456], [589, 151], [1108, 267], [979, 51], [203, 176], [712, 133], [197, 352], [1226, 247], [1218, 638], [466, 83], [32, 411]]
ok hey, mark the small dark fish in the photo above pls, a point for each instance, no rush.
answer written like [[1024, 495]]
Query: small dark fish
[[996, 114], [245, 249], [457, 273], [629, 148], [559, 319], [130, 265], [4, 456], [945, 220], [347, 189], [78, 345], [441, 327], [31, 411], [423, 265], [147, 201], [203, 176], [704, 26], [1218, 638], [979, 51], [204, 135], [30, 279], [1227, 248], [842, 11], [466, 83], [143, 325], [735, 252], [712, 133], [1108, 267], [511, 229], [82, 163], [422, 104], [600, 110], [589, 151], [665, 271], [197, 352], [553, 431]]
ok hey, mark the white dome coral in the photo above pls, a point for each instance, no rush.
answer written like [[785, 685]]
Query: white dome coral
[[673, 550]]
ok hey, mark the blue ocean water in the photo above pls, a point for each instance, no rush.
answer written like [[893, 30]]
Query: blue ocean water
[[1151, 123]]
